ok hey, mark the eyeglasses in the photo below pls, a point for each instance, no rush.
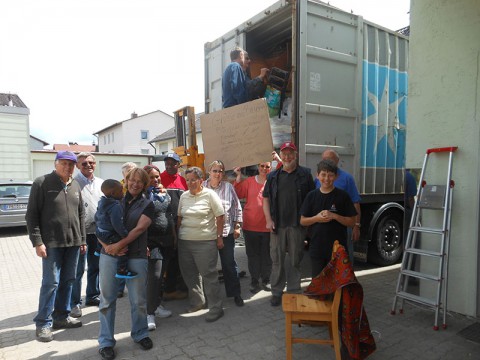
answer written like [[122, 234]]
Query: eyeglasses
[[88, 163], [265, 166], [215, 171]]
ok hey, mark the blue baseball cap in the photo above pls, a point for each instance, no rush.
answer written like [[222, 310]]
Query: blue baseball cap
[[66, 155], [172, 156]]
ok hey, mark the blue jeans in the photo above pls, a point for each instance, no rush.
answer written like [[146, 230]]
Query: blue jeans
[[137, 294], [229, 267], [58, 275], [93, 289]]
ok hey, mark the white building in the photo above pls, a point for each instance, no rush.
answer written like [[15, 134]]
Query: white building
[[14, 139], [132, 136], [167, 141]]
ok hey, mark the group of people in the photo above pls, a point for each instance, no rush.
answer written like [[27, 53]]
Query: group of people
[[140, 230]]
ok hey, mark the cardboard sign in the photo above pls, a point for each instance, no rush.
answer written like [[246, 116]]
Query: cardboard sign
[[239, 135]]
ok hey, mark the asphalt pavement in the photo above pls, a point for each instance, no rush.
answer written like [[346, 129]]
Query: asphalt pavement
[[254, 331]]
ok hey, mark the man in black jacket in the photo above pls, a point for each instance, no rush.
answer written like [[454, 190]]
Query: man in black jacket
[[283, 195], [56, 228]]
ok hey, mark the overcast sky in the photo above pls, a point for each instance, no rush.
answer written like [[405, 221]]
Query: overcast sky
[[81, 65]]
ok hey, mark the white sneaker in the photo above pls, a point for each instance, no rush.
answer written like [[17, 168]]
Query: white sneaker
[[76, 312], [151, 322], [161, 312]]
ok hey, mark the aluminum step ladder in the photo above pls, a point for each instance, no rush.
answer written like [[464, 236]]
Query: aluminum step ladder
[[430, 198]]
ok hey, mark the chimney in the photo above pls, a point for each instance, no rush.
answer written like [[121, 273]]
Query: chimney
[[134, 115]]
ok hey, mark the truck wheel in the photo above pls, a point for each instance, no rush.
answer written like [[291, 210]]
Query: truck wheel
[[386, 246]]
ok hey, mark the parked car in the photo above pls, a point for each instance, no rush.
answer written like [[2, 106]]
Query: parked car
[[13, 202]]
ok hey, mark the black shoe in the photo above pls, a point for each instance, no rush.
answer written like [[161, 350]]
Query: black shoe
[[238, 300], [266, 287], [68, 323], [107, 353], [213, 316], [255, 287], [93, 302], [275, 300], [242, 274], [146, 343]]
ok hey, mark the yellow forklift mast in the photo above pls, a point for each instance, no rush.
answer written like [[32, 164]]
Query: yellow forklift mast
[[188, 152]]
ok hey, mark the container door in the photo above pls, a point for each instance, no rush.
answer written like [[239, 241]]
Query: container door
[[217, 57], [328, 51]]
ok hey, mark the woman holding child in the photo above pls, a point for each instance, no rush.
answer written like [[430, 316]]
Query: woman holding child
[[138, 215]]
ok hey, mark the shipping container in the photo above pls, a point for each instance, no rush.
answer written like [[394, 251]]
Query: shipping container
[[347, 91]]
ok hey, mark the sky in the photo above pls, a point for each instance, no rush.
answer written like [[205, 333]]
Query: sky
[[82, 65]]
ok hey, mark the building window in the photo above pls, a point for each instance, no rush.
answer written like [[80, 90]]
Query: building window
[[104, 140], [109, 138], [113, 137], [144, 134], [145, 151]]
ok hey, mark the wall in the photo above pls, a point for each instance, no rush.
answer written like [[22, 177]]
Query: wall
[[443, 109], [14, 143]]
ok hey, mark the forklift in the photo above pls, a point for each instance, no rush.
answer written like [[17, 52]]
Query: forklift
[[189, 155]]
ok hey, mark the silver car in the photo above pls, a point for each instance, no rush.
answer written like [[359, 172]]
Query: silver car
[[13, 202]]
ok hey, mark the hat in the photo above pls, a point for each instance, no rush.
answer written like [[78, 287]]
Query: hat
[[172, 156], [66, 155], [288, 145]]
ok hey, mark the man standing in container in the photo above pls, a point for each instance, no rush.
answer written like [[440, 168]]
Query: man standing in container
[[283, 195], [56, 228], [234, 80]]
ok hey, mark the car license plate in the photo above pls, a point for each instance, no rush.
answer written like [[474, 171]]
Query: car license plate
[[15, 206]]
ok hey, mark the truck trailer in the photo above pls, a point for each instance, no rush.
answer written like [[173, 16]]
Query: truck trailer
[[347, 90]]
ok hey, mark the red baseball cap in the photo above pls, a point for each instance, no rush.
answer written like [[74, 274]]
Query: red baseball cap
[[288, 145]]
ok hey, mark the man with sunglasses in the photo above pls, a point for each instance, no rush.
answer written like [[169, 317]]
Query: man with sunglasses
[[91, 193]]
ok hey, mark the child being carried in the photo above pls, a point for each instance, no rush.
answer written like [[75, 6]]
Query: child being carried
[[109, 221]]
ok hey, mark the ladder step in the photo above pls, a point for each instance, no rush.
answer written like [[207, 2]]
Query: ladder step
[[427, 230], [418, 299], [420, 275], [423, 252]]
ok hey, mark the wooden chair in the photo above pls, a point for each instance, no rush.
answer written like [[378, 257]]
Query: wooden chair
[[300, 309]]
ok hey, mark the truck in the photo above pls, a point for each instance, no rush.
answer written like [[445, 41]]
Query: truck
[[347, 90]]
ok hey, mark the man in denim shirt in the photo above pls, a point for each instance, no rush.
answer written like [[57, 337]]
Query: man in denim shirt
[[234, 81]]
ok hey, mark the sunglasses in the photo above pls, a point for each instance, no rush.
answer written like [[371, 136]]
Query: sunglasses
[[88, 163], [265, 166], [215, 171]]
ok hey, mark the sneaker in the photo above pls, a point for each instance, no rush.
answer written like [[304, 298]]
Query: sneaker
[[76, 312], [213, 316], [266, 286], [107, 353], [275, 300], [151, 322], [126, 275], [146, 343], [161, 312], [44, 334], [68, 323]]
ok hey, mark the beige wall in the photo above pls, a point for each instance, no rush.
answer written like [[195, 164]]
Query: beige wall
[[443, 110]]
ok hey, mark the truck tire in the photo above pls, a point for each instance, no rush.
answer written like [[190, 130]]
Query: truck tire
[[387, 242]]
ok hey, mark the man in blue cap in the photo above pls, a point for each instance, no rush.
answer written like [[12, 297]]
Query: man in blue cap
[[56, 228]]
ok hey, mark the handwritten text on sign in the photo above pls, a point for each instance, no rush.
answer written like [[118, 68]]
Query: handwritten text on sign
[[239, 135]]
